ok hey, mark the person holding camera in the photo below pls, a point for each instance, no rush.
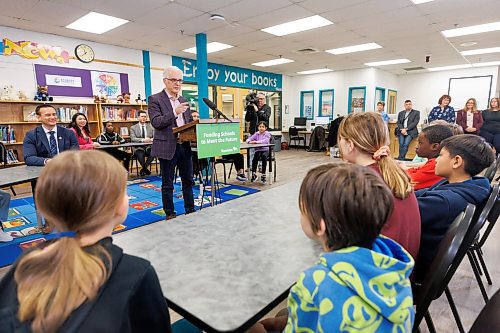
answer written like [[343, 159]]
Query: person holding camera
[[256, 111], [406, 129]]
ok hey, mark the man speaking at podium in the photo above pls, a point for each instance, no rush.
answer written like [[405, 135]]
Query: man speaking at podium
[[167, 110]]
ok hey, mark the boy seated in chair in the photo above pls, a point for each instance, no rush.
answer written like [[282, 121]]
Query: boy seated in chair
[[462, 157]]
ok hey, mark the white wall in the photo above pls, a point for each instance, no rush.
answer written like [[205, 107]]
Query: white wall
[[158, 61], [425, 89], [20, 71]]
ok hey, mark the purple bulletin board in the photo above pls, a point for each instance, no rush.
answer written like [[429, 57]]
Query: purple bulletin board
[[86, 82]]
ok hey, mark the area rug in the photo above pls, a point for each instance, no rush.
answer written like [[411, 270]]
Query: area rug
[[145, 207]]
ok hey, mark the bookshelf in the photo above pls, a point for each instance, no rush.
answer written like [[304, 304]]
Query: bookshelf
[[18, 117], [122, 115]]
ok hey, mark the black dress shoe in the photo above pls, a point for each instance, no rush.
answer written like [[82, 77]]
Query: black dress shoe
[[170, 216], [142, 172], [147, 171], [190, 211]]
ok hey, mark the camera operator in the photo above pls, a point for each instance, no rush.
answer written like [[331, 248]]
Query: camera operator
[[257, 110]]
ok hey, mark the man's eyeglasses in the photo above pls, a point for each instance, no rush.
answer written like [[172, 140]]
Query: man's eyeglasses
[[175, 80]]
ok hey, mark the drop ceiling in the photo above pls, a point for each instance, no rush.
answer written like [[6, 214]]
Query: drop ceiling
[[405, 30]]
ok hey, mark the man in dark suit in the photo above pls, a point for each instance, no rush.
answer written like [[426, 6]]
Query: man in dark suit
[[142, 132], [167, 110], [47, 140], [407, 127]]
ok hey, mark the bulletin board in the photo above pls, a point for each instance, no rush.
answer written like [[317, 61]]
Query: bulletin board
[[462, 88]]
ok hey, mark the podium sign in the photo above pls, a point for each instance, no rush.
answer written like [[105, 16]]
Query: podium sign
[[216, 139]]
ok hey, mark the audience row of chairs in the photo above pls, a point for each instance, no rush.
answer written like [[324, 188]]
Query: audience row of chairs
[[461, 239]]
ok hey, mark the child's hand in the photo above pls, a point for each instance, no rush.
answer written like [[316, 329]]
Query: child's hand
[[253, 142], [115, 143]]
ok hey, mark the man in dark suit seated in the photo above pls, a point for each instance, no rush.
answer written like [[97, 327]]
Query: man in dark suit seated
[[46, 141], [167, 110], [143, 132]]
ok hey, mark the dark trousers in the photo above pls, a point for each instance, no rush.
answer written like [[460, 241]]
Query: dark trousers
[[237, 160], [404, 143], [141, 154], [260, 156], [491, 138], [121, 156], [181, 159]]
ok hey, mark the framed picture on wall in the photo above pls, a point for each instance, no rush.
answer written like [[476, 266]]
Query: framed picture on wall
[[326, 103], [357, 98], [307, 104]]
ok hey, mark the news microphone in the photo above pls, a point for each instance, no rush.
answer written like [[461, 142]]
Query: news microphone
[[213, 107]]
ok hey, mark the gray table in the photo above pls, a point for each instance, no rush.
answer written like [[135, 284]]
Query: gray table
[[225, 267], [125, 145], [19, 175]]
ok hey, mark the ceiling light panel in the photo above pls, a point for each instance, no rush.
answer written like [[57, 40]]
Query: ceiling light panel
[[447, 68], [481, 51], [211, 47], [307, 23], [354, 48], [418, 2], [471, 30], [387, 62], [316, 71], [272, 62], [96, 23]]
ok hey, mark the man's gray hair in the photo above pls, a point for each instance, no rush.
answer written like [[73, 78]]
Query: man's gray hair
[[169, 70]]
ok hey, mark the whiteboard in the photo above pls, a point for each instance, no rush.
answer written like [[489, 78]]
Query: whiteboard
[[462, 88]]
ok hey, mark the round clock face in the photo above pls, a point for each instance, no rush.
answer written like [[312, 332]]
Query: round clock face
[[84, 53]]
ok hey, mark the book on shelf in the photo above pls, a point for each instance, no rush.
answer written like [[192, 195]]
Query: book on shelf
[[116, 113], [12, 156], [7, 134], [124, 131], [64, 114]]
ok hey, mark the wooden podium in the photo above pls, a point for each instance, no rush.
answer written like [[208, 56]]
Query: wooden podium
[[187, 132]]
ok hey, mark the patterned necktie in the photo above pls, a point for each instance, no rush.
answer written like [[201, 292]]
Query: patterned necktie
[[52, 144], [143, 132]]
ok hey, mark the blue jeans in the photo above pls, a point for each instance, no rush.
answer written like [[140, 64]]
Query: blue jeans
[[181, 159], [404, 143]]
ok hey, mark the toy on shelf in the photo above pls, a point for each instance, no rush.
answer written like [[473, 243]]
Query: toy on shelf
[[119, 99], [42, 93], [97, 99], [139, 100], [8, 93], [21, 95], [126, 97], [104, 98]]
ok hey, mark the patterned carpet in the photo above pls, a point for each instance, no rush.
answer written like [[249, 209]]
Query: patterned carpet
[[145, 207]]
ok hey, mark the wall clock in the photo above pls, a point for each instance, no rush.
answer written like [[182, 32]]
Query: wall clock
[[84, 53]]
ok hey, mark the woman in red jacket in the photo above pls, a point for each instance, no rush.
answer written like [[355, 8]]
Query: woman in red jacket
[[470, 118], [80, 126]]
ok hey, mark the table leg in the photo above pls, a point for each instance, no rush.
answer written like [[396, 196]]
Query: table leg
[[248, 163], [270, 169]]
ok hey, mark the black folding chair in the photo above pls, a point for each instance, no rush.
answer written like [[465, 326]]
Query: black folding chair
[[293, 132], [488, 320], [492, 169], [444, 265], [489, 214]]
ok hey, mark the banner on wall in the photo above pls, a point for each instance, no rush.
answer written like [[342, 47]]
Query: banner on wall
[[230, 76], [75, 82], [33, 50]]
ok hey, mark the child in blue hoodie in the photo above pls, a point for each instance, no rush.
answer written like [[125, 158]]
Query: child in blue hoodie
[[461, 158], [361, 282]]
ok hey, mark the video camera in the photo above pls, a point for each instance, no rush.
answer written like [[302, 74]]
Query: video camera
[[251, 98]]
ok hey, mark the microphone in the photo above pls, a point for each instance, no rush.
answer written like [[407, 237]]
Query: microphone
[[213, 107]]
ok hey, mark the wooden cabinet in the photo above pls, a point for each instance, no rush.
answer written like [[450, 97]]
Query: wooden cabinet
[[18, 117], [122, 115]]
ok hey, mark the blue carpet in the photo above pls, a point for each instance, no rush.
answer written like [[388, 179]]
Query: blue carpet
[[145, 207]]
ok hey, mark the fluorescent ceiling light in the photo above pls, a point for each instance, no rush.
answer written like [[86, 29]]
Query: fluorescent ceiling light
[[473, 29], [417, 2], [388, 62], [481, 51], [316, 71], [446, 68], [273, 62], [211, 47], [96, 23], [307, 23], [354, 48], [485, 64]]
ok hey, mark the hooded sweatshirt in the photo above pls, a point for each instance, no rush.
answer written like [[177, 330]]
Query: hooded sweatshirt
[[355, 289], [439, 205]]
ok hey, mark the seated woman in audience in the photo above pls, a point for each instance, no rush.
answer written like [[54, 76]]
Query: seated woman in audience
[[261, 153], [364, 140], [79, 281], [491, 124], [110, 137], [461, 158], [443, 111], [80, 126], [469, 118], [361, 281]]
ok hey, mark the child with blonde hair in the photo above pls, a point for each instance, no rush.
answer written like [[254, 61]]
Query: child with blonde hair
[[78, 280], [364, 140]]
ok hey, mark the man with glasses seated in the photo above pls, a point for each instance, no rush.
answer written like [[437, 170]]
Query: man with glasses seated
[[257, 113], [167, 110]]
